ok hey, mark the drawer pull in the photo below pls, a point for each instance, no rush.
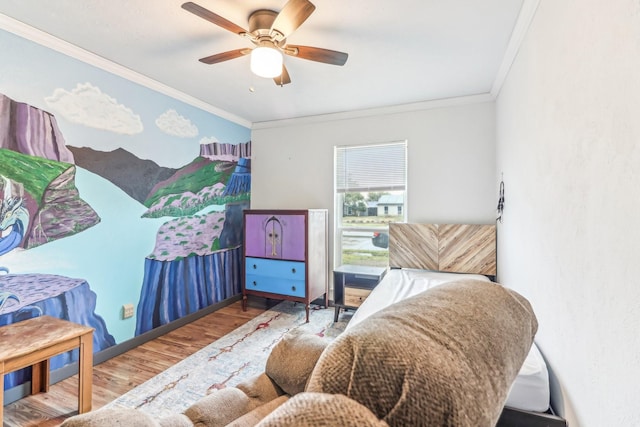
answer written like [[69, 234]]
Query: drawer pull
[[254, 283], [293, 270], [293, 288], [254, 266]]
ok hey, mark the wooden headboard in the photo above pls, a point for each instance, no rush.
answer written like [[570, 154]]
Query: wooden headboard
[[459, 248]]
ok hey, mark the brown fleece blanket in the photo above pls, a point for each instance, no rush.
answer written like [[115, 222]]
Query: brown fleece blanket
[[445, 357]]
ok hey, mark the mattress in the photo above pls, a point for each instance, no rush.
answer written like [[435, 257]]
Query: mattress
[[530, 390]]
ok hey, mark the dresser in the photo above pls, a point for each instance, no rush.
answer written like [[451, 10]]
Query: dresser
[[286, 255]]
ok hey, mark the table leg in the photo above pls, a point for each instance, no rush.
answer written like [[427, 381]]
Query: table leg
[[1, 392], [85, 373], [40, 377]]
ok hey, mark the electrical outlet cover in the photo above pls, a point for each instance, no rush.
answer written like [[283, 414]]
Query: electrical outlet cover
[[127, 311]]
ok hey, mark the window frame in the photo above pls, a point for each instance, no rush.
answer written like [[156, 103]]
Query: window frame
[[339, 227]]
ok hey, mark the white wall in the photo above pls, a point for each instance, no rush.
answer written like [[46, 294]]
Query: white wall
[[568, 130], [451, 151]]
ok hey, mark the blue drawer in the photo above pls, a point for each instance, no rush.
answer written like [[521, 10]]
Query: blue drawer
[[275, 285], [275, 276], [290, 270]]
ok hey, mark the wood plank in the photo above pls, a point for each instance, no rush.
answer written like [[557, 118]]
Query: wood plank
[[354, 297], [85, 372], [467, 248], [413, 246], [45, 330], [40, 377], [459, 248], [122, 373]]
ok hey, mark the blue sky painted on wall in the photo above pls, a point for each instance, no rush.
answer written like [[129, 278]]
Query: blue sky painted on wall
[[49, 80], [126, 115]]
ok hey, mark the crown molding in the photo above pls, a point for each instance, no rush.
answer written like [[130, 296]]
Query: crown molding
[[47, 40], [371, 112], [520, 29]]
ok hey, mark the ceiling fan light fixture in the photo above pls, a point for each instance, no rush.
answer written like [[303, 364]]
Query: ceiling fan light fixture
[[266, 62], [268, 31]]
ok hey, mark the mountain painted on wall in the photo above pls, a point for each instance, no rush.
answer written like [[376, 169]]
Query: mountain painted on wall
[[40, 201], [50, 206], [32, 131], [197, 257], [192, 188], [133, 175], [226, 152], [166, 191]]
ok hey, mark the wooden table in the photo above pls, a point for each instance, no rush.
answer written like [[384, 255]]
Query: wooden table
[[34, 341]]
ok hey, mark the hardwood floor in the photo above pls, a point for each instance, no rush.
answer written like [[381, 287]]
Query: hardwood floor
[[120, 374]]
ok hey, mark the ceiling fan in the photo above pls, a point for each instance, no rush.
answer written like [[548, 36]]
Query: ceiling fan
[[268, 31]]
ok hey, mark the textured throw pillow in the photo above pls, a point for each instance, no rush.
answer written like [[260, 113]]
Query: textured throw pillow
[[219, 408], [318, 409], [291, 360], [446, 356], [175, 420], [254, 417], [260, 389]]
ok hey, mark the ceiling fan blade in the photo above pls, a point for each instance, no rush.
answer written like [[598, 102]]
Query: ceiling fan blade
[[292, 15], [283, 79], [224, 56], [212, 17], [317, 54]]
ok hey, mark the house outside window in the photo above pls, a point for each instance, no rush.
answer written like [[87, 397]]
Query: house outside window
[[370, 192], [390, 204]]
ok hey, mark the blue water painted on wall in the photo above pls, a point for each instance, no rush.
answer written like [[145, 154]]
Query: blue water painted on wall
[[112, 257]]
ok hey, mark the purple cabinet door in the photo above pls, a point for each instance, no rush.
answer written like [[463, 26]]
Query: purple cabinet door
[[275, 236]]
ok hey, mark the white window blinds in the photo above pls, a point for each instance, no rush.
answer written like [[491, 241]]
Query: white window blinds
[[380, 167]]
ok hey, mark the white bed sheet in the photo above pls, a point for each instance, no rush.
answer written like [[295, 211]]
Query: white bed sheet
[[530, 390]]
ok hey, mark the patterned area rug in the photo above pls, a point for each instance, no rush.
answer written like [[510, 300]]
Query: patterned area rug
[[237, 356]]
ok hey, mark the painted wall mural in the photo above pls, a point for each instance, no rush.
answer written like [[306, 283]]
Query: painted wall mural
[[112, 194], [196, 260]]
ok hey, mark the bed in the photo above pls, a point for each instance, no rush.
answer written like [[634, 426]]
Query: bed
[[422, 256]]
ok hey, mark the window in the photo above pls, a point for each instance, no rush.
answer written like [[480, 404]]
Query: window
[[370, 192]]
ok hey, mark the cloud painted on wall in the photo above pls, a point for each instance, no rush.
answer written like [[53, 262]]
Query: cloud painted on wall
[[89, 106], [208, 140], [172, 123]]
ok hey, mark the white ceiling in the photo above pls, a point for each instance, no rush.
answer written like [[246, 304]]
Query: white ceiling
[[400, 52]]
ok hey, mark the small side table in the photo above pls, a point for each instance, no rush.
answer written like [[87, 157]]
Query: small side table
[[34, 341], [352, 284]]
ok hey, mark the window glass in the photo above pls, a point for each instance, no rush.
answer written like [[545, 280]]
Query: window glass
[[370, 192]]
